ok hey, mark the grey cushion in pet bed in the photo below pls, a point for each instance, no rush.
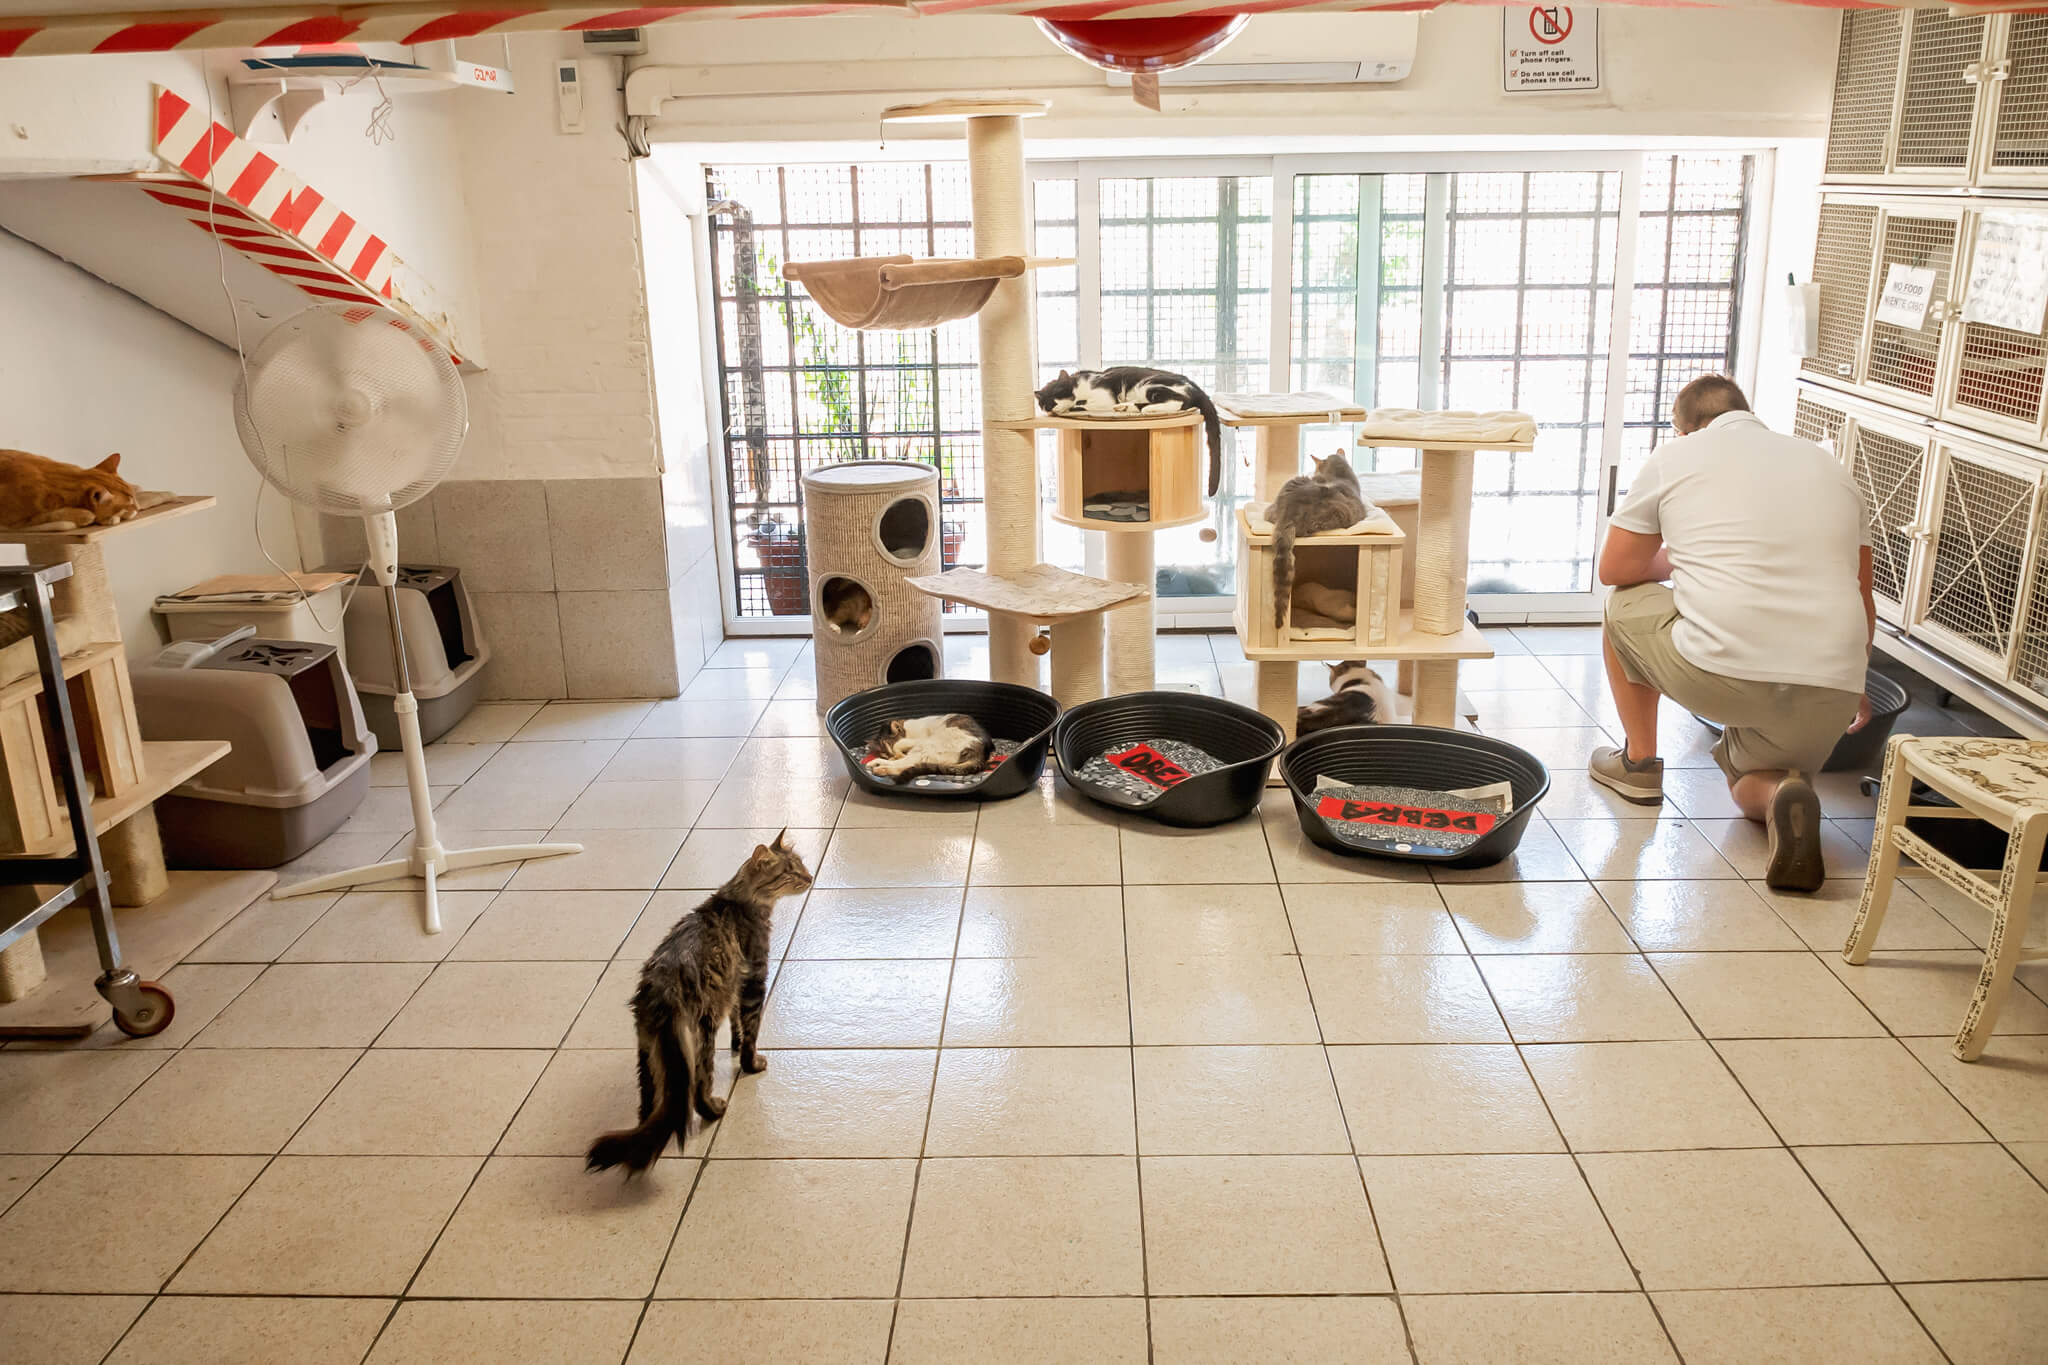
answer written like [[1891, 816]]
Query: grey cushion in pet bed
[[1019, 719], [1147, 769], [1238, 742]]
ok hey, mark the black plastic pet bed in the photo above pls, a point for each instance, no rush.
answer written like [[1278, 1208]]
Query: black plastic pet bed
[[1176, 757], [1863, 751], [1380, 810], [1012, 715]]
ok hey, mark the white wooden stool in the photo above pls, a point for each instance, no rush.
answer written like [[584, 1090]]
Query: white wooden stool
[[2003, 782]]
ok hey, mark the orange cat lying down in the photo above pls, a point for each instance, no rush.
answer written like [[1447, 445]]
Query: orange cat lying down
[[38, 494]]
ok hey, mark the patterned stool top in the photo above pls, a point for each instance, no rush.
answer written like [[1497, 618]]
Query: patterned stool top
[[2002, 773]]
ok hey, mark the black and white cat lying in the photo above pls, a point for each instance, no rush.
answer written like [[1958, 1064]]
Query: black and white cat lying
[[1133, 388], [1358, 696]]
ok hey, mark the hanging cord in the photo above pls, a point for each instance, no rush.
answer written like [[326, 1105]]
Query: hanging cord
[[220, 257]]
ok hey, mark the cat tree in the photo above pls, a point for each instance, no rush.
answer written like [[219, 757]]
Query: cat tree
[[868, 524]]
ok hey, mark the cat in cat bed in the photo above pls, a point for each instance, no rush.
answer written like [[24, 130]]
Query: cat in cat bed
[[949, 746]]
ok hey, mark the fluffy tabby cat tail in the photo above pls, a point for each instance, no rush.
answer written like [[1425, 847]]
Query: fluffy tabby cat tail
[[1283, 571], [665, 1058]]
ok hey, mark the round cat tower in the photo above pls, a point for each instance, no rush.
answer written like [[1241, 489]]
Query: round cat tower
[[872, 524]]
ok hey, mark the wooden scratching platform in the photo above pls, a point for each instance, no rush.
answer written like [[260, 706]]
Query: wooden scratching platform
[[1068, 605]]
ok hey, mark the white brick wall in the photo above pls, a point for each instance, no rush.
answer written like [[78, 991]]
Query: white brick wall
[[568, 393]]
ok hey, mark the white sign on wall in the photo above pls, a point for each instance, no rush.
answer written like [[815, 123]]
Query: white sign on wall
[[1549, 49], [1908, 290], [2009, 274]]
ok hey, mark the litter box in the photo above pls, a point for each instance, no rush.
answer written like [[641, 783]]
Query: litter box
[[1862, 752], [300, 761], [1414, 756], [445, 654], [1005, 710], [1243, 739]]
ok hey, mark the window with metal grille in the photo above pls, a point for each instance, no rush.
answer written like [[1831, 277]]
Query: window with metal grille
[[1940, 102], [1904, 357], [1888, 470], [2020, 139], [1866, 86], [1841, 267], [1692, 233], [1978, 549]]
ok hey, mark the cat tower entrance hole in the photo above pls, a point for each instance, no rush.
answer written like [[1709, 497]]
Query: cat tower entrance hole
[[904, 530], [844, 606], [916, 662]]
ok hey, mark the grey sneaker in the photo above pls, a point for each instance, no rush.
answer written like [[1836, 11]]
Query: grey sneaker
[[1794, 827], [1637, 780]]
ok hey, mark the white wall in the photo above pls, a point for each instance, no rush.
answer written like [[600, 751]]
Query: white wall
[[86, 370], [1667, 73]]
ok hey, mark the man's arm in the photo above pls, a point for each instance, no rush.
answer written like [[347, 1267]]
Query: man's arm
[[1630, 557], [1863, 576]]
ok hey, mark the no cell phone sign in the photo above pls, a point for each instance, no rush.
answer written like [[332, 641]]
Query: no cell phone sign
[[1549, 49]]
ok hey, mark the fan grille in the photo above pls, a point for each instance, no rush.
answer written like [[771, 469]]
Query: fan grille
[[351, 410]]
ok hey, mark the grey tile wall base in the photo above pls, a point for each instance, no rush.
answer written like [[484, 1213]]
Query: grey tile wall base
[[524, 632], [496, 532], [618, 644], [606, 535]]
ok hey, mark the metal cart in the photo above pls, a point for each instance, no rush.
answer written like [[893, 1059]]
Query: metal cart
[[141, 1008]]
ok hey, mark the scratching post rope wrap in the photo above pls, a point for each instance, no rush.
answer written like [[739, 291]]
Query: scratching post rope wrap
[[1279, 694], [845, 507], [1130, 628], [1077, 659], [998, 191], [1444, 528]]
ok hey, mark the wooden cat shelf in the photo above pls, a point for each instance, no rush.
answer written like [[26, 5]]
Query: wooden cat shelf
[[1126, 472], [903, 294], [1069, 605]]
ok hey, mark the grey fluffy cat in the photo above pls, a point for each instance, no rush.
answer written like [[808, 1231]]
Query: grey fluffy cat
[[1134, 388], [713, 965], [1308, 504], [951, 745]]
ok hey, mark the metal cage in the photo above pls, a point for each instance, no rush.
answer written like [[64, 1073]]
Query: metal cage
[[1995, 377], [1889, 463], [2015, 140], [1940, 86], [1980, 518], [1900, 363], [1843, 249], [1866, 95]]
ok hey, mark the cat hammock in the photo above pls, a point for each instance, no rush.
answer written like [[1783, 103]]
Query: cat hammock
[[902, 294]]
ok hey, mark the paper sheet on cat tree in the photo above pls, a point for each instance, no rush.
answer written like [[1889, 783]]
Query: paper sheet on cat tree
[[2009, 273]]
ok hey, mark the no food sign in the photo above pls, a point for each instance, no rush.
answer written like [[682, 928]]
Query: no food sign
[[1549, 49]]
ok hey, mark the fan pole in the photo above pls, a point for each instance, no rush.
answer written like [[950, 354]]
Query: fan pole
[[428, 859]]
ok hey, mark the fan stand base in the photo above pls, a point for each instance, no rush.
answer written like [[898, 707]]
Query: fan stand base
[[429, 865]]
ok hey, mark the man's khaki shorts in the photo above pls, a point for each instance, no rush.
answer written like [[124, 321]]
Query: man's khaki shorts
[[1768, 725]]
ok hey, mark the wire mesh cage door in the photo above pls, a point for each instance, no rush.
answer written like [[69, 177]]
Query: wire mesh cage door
[[1843, 248], [1903, 361], [1864, 112], [1938, 98], [1815, 419], [1980, 521], [1995, 376], [2029, 670], [2015, 150], [1890, 467]]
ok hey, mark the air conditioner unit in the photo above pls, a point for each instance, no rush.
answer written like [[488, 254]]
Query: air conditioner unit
[[1375, 49], [1375, 72]]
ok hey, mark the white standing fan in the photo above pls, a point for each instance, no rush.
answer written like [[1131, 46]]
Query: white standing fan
[[352, 411]]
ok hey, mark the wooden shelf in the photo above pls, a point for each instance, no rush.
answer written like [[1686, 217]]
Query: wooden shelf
[[1041, 594], [1407, 643], [84, 535], [166, 763], [1352, 538], [1125, 527], [75, 663], [1134, 421]]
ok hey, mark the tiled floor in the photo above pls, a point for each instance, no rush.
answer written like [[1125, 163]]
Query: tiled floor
[[1050, 1085]]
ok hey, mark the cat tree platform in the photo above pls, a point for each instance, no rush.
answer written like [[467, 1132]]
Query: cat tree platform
[[128, 773], [1069, 605], [903, 293]]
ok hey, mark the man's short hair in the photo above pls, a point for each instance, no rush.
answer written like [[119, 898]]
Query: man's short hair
[[1706, 398]]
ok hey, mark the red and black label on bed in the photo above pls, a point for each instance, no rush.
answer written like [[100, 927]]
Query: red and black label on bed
[[1406, 819], [1412, 817], [1147, 764]]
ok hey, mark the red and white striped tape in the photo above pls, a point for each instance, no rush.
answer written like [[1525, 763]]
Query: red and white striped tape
[[244, 198], [402, 22]]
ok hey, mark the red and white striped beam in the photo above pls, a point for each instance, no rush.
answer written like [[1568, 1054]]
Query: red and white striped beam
[[420, 21], [230, 190]]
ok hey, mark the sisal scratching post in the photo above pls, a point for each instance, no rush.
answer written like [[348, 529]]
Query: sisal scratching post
[[1436, 692], [87, 596], [1131, 628], [1077, 659], [1443, 534], [872, 525], [1279, 458], [1280, 695], [133, 854], [999, 191]]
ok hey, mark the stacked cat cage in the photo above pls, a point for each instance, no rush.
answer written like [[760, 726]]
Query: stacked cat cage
[[1940, 127]]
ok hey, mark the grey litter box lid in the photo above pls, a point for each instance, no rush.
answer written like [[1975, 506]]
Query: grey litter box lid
[[283, 658], [869, 476]]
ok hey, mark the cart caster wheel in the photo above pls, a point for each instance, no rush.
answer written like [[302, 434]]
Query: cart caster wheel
[[152, 1016]]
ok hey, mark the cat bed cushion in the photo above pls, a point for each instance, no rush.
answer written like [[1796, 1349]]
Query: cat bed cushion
[[1145, 770], [1374, 523], [1373, 815], [1464, 428]]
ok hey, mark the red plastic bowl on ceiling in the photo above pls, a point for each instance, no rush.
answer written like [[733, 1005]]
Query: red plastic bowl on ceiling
[[1141, 46]]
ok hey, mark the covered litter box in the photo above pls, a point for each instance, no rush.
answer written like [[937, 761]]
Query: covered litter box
[[300, 761], [1180, 758], [445, 654], [1019, 719], [280, 608], [1390, 797]]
